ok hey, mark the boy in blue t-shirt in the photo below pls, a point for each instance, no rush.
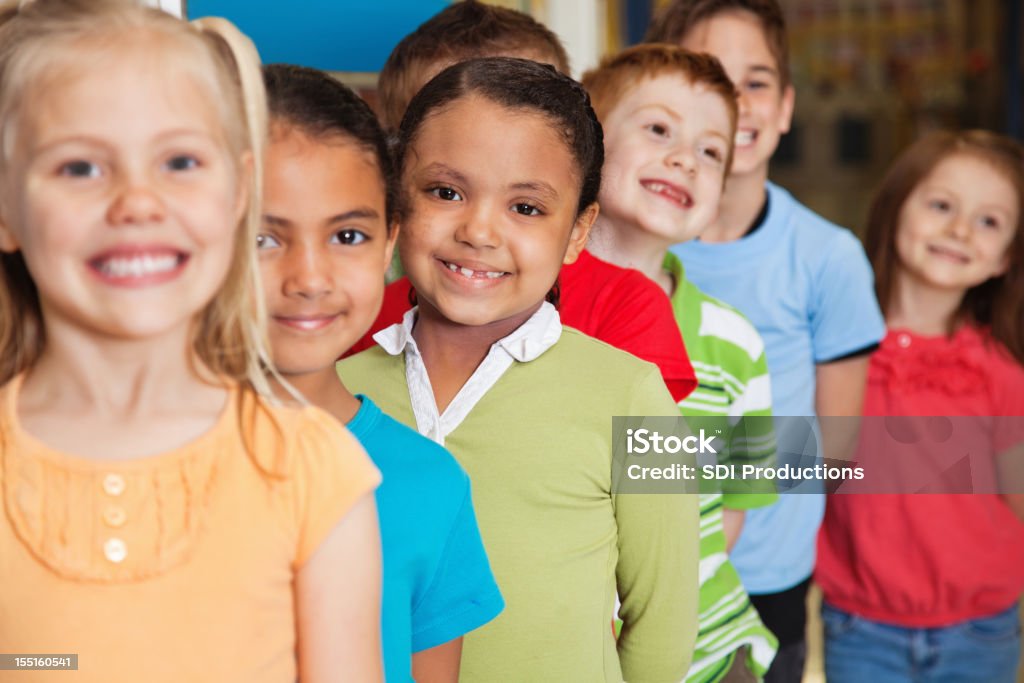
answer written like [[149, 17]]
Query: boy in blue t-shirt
[[804, 283], [325, 246]]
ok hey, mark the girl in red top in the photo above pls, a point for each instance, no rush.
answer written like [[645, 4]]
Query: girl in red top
[[925, 587]]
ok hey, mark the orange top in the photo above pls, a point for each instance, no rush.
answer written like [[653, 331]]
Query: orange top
[[176, 567]]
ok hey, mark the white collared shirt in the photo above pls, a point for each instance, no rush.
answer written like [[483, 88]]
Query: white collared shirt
[[526, 343]]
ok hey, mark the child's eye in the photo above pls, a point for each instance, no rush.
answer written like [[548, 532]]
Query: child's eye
[[446, 193], [939, 205], [659, 129], [524, 209], [712, 153], [990, 222], [182, 162], [757, 85], [80, 169], [349, 237], [265, 241]]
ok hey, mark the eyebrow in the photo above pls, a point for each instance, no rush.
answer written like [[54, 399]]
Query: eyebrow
[[439, 168], [762, 68], [89, 140], [672, 114], [361, 212], [538, 186]]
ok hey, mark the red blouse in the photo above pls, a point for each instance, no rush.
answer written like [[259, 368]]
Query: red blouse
[[927, 560]]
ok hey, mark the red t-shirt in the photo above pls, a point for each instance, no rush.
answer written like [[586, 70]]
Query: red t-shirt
[[619, 306], [928, 560]]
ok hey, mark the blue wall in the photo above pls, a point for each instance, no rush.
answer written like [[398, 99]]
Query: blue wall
[[335, 35]]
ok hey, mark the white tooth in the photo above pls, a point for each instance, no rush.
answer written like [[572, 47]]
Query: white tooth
[[491, 274], [466, 272], [452, 267]]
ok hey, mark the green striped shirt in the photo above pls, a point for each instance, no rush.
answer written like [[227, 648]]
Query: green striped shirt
[[732, 374]]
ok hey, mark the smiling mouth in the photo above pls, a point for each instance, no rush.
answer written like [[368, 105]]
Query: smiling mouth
[[138, 268], [473, 274], [745, 137], [948, 254], [308, 323], [673, 193]]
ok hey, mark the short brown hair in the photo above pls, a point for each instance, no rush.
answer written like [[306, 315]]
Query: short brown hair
[[461, 31], [999, 302], [616, 75], [678, 18]]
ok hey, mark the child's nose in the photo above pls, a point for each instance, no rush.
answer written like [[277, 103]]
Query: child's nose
[[136, 204], [683, 158], [959, 227], [477, 229], [307, 275]]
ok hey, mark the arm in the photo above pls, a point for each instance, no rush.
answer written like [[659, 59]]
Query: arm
[[337, 596], [438, 664], [840, 392], [732, 525], [657, 570]]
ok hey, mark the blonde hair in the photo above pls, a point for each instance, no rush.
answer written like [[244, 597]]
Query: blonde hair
[[37, 37]]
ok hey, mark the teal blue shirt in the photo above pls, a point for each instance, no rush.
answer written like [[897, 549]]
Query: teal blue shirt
[[438, 584]]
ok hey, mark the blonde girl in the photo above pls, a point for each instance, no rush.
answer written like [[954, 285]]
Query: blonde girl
[[161, 518], [925, 587]]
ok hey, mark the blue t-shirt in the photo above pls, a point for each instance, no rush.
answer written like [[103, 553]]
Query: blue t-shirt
[[437, 580], [807, 286]]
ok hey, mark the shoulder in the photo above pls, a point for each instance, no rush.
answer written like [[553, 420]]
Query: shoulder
[[400, 451], [575, 349], [594, 370], [812, 232], [286, 440], [722, 322], [371, 362], [595, 279]]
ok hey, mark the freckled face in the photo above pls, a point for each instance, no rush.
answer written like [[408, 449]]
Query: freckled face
[[492, 195], [666, 144]]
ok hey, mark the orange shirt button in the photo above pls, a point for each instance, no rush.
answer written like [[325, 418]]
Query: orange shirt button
[[113, 484], [114, 516], [115, 550]]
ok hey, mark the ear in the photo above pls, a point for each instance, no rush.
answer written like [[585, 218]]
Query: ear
[[389, 247], [580, 233], [245, 172], [8, 242], [786, 110]]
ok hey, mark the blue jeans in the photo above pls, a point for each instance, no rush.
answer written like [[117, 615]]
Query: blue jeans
[[859, 650]]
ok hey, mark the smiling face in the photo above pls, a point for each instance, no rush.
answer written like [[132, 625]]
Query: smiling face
[[666, 145], [738, 40], [123, 198], [492, 195], [323, 249], [957, 224]]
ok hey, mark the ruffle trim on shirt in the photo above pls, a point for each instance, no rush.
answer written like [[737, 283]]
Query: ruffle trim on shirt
[[907, 363], [108, 521]]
